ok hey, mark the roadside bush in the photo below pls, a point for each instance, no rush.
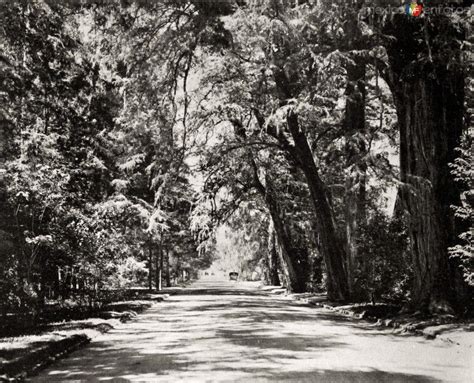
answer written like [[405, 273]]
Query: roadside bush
[[463, 172], [125, 274], [384, 271]]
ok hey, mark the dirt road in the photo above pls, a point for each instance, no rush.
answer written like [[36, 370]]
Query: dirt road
[[214, 332]]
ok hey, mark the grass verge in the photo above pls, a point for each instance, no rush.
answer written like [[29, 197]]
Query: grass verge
[[25, 354]]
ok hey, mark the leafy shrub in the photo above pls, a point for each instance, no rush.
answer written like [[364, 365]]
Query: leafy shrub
[[125, 274], [384, 269], [463, 172]]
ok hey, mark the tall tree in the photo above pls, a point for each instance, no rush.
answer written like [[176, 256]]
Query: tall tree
[[427, 81]]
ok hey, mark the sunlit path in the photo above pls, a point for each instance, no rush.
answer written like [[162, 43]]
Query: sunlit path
[[224, 331]]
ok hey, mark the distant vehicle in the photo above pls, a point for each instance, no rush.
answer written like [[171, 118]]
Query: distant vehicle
[[233, 275]]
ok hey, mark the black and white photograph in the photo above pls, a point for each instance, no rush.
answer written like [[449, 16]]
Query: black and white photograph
[[237, 191]]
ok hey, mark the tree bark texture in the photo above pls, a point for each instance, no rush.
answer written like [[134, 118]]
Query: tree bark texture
[[273, 260], [331, 246], [150, 267], [429, 100], [167, 269], [293, 260], [356, 168]]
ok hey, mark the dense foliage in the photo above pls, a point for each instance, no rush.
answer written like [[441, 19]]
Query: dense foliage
[[134, 132]]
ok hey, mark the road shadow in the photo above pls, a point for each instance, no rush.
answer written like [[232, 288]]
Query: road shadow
[[221, 334], [128, 365]]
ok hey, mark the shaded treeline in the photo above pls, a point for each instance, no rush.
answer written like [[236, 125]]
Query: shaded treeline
[[333, 137]]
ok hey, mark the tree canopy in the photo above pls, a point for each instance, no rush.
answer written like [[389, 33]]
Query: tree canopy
[[328, 140]]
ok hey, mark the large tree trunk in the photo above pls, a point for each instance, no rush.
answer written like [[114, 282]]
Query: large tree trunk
[[355, 182], [159, 264], [293, 260], [157, 269], [160, 273], [330, 245], [167, 269], [429, 100], [7, 226], [150, 267], [273, 261]]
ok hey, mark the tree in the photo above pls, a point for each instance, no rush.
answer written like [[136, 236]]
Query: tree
[[49, 92], [463, 174], [244, 170], [427, 82]]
